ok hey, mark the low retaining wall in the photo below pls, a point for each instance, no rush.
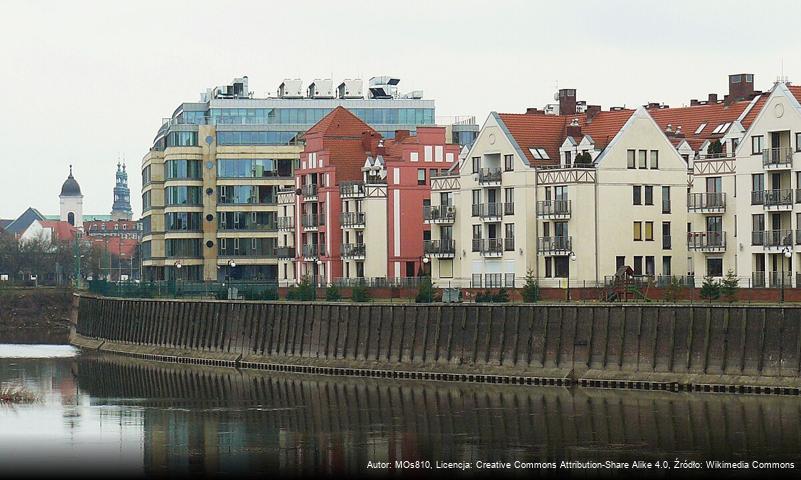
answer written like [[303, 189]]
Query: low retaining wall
[[708, 347]]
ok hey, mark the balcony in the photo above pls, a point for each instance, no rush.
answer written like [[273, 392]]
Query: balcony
[[311, 221], [488, 176], [491, 247], [774, 239], [351, 220], [352, 250], [286, 224], [554, 245], [445, 248], [777, 158], [758, 197], [553, 209], [778, 199], [706, 241], [351, 190], [285, 253], [491, 212], [710, 202], [313, 251], [442, 214], [309, 192]]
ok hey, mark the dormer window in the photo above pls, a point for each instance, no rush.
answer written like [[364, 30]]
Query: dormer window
[[700, 128], [539, 153]]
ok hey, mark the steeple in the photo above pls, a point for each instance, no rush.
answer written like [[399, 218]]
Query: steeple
[[121, 210]]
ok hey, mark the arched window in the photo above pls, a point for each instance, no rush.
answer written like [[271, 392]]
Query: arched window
[[71, 218]]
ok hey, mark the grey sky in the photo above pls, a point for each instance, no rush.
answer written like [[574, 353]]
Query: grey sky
[[84, 82]]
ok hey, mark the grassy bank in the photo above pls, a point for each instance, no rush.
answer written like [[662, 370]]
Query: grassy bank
[[34, 315]]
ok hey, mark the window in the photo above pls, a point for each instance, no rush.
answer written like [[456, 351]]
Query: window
[[798, 142], [548, 267], [476, 237], [509, 236], [757, 229], [620, 261], [654, 159], [476, 202], [508, 163], [736, 79], [649, 231], [636, 195], [700, 128], [757, 188], [643, 159], [539, 153], [630, 158], [637, 231], [665, 199], [649, 195], [714, 185], [666, 267], [650, 268], [666, 240], [476, 164], [568, 158], [637, 265], [714, 267], [756, 144], [421, 176]]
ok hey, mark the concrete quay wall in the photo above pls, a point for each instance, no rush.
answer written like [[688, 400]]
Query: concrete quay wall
[[699, 347]]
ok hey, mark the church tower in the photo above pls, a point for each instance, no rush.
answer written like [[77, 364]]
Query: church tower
[[71, 202], [121, 210]]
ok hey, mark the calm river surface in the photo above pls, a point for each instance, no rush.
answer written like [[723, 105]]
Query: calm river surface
[[113, 414]]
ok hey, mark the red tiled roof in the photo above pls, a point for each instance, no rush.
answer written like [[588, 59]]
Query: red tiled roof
[[550, 131], [342, 137], [340, 122], [796, 91], [117, 245], [751, 115], [713, 115], [62, 231]]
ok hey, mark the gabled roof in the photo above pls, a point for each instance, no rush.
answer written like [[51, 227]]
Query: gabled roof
[[24, 221], [62, 231], [340, 122], [550, 131]]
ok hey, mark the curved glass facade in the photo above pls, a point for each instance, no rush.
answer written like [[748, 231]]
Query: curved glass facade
[[253, 168], [177, 169]]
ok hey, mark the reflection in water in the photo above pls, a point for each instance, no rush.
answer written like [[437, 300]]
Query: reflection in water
[[162, 418]]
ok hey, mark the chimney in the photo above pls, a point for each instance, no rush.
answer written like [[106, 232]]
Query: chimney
[[567, 101], [694, 102], [400, 135], [713, 98], [652, 105], [592, 111], [678, 133], [574, 129], [741, 86], [534, 111]]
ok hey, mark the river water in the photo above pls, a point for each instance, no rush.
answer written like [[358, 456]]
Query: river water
[[100, 414]]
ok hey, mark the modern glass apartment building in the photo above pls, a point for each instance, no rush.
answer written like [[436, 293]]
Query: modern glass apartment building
[[211, 178]]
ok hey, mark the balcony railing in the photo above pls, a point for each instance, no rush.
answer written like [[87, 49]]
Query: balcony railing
[[509, 244], [778, 238], [439, 213], [309, 190], [757, 197], [491, 210], [379, 282], [776, 198], [555, 245], [491, 246], [489, 175], [285, 252], [286, 223], [553, 208], [710, 201], [352, 250], [780, 279], [667, 243], [758, 237], [714, 241], [313, 250], [312, 220], [780, 157], [758, 279], [351, 189], [443, 248], [352, 219]]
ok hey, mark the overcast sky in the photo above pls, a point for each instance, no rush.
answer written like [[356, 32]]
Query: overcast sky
[[85, 82]]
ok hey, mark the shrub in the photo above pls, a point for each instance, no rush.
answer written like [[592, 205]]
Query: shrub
[[710, 289], [270, 293], [728, 288], [292, 293], [715, 147], [332, 294], [672, 290], [360, 293], [425, 293], [531, 289], [306, 291], [484, 297], [501, 296]]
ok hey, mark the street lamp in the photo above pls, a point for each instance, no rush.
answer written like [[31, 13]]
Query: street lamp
[[572, 257], [318, 282], [177, 266], [787, 251]]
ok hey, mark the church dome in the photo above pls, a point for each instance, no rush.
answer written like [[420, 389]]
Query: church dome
[[70, 188]]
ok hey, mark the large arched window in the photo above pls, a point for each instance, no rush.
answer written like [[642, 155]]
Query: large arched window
[[71, 218]]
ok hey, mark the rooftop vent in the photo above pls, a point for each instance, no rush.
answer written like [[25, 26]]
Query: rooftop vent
[[321, 88], [350, 88], [291, 88]]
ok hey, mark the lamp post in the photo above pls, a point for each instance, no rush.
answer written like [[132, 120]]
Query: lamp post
[[787, 251], [178, 266], [572, 257], [319, 278]]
